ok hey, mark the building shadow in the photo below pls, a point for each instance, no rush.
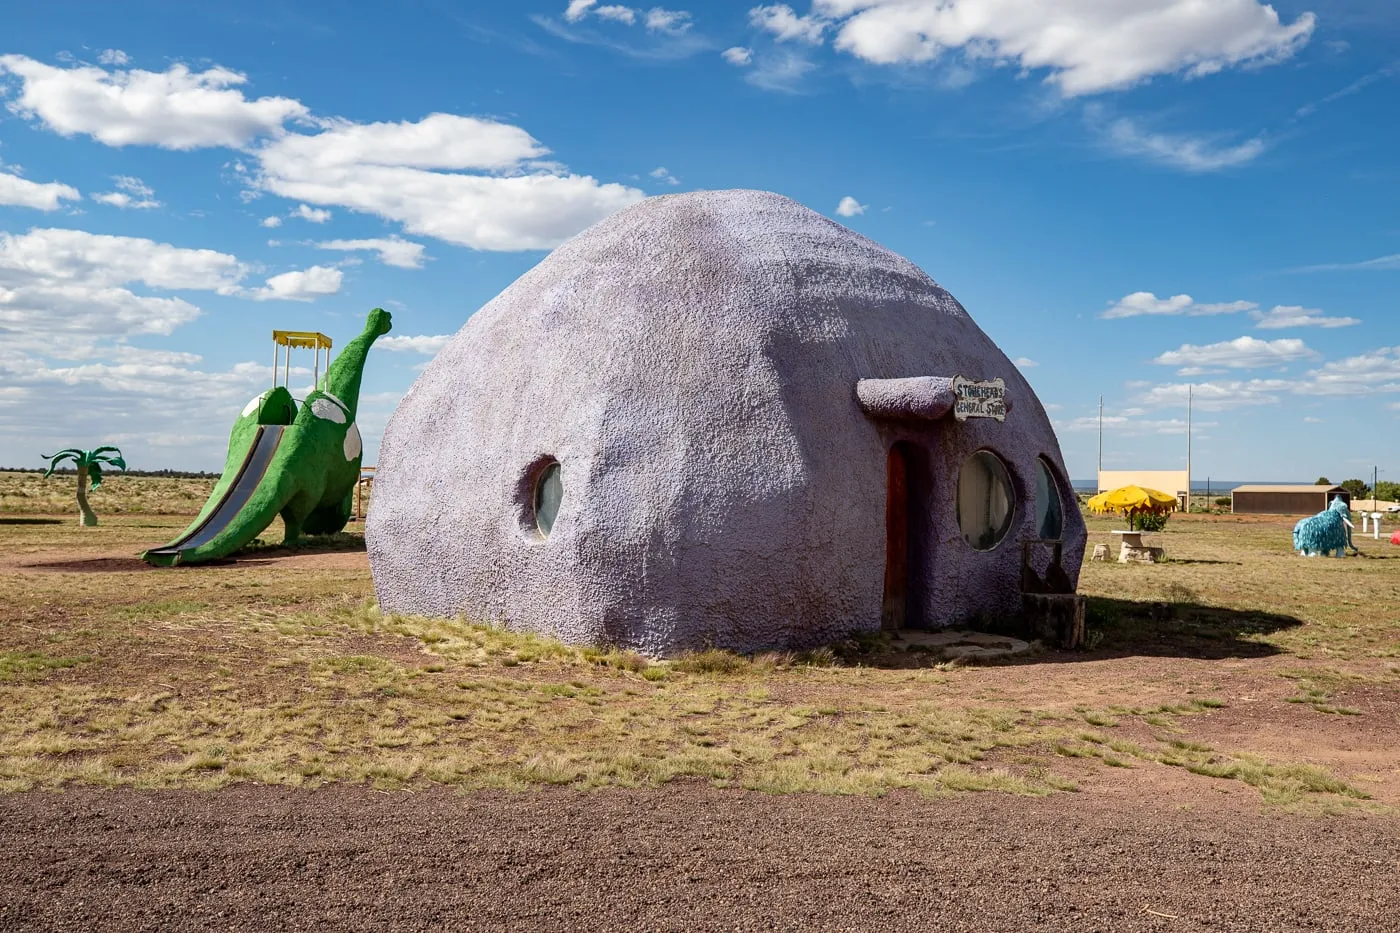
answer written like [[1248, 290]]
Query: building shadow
[[1188, 629], [1114, 628]]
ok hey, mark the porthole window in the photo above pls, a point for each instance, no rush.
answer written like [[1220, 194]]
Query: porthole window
[[1049, 517], [986, 500], [549, 493]]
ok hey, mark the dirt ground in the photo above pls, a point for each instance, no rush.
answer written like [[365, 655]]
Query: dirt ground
[[684, 857], [1225, 757]]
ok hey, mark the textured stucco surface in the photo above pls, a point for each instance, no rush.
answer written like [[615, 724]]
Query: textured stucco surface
[[928, 397], [691, 362]]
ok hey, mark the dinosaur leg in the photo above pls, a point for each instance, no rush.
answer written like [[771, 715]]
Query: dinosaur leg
[[291, 530], [328, 519], [294, 515]]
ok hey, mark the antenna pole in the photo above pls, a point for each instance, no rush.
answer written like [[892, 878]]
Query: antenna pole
[[1098, 480], [1188, 447]]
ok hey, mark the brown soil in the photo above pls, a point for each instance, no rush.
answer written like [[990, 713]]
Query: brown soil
[[124, 562], [686, 857]]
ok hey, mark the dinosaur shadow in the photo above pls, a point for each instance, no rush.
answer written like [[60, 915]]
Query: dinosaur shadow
[[30, 521], [314, 544]]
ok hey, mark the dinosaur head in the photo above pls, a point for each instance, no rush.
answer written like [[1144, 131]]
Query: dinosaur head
[[379, 323]]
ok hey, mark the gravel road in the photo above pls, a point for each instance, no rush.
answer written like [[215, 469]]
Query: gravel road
[[682, 858]]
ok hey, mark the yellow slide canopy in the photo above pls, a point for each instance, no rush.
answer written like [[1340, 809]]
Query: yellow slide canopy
[[301, 339], [298, 340]]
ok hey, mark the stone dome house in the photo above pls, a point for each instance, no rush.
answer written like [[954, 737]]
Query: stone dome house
[[718, 419]]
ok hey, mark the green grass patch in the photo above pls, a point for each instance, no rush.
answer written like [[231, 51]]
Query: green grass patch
[[35, 665]]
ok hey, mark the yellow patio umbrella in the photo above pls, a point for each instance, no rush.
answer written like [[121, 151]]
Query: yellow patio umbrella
[[1132, 500]]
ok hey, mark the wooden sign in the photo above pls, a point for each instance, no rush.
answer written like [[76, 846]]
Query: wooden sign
[[979, 399]]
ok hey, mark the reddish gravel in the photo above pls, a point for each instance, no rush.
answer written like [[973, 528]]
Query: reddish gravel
[[683, 858]]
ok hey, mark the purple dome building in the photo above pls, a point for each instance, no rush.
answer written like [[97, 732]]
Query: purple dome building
[[718, 419]]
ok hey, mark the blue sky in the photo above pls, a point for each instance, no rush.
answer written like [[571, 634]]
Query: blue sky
[[1127, 200]]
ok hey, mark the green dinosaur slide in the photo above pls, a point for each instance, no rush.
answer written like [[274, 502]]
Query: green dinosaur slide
[[300, 463]]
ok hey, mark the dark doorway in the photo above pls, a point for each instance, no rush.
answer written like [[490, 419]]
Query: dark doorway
[[906, 477]]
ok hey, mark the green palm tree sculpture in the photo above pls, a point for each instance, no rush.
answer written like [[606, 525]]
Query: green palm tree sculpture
[[89, 464]]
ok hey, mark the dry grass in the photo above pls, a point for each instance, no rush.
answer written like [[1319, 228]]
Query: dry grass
[[285, 672], [31, 494], [1230, 581]]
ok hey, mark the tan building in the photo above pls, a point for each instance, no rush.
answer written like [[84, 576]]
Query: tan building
[[1284, 499], [1172, 482]]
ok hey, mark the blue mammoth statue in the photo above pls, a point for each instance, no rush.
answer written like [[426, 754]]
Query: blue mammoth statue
[[1326, 532]]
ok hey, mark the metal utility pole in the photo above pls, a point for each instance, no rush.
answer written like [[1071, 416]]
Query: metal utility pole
[[1190, 396], [1098, 479]]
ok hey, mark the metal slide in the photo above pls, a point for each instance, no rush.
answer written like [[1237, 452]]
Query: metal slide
[[249, 476]]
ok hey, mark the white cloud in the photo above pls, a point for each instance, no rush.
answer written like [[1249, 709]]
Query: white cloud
[[1217, 396], [1365, 374], [1140, 304], [438, 141], [1375, 372], [405, 254], [1281, 316], [427, 345], [394, 171], [1086, 47], [132, 193], [657, 19], [103, 260], [42, 196], [784, 71], [315, 215], [273, 221], [1129, 423], [620, 14], [1240, 353], [578, 9], [113, 57], [123, 200], [1380, 262], [1025, 362], [474, 182], [158, 405], [1188, 153], [737, 55], [661, 174], [174, 109], [1311, 420], [65, 292], [670, 22], [300, 285], [850, 207], [785, 25]]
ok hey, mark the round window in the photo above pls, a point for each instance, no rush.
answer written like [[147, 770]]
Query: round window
[[1049, 519], [549, 493], [986, 500]]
